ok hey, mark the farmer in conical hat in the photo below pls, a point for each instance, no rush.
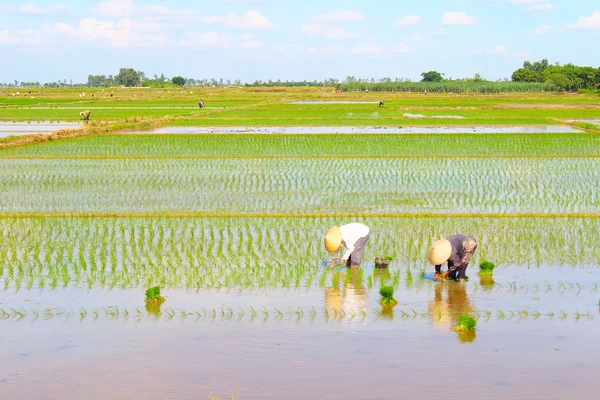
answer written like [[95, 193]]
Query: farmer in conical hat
[[457, 250], [85, 115], [353, 237]]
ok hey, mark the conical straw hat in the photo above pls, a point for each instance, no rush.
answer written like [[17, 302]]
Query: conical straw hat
[[439, 252], [333, 239]]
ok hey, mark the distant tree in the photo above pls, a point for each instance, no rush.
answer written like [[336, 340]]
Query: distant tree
[[431, 76], [96, 80], [526, 75], [538, 66], [128, 77], [478, 78], [560, 81], [178, 80]]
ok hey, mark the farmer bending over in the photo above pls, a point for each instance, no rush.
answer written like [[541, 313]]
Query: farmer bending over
[[353, 237], [457, 250], [85, 115]]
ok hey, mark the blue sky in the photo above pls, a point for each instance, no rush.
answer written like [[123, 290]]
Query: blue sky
[[296, 40]]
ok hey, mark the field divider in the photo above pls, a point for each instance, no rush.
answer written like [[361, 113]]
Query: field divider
[[212, 215], [392, 156]]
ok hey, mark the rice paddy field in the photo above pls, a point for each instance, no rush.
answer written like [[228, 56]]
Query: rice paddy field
[[229, 223]]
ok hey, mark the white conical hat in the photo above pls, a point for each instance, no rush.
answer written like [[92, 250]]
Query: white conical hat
[[333, 239], [439, 252]]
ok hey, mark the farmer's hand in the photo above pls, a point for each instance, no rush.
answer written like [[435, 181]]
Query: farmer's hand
[[342, 261], [333, 263]]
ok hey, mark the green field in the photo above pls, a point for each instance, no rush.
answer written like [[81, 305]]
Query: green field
[[230, 226], [272, 107]]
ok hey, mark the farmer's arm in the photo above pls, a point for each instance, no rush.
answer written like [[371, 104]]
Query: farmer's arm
[[336, 255], [348, 252]]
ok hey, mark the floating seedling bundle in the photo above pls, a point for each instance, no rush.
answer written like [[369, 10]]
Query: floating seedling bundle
[[486, 268], [387, 297], [382, 262]]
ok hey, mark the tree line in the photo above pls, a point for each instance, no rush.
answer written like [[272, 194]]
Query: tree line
[[568, 77], [533, 76]]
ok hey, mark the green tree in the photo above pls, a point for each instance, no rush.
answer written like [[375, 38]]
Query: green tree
[[526, 75], [431, 76], [96, 80], [178, 80], [561, 81], [129, 77]]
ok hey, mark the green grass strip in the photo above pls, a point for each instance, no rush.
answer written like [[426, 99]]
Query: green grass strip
[[393, 156], [23, 215]]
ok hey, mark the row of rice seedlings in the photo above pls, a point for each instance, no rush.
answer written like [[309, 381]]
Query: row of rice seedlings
[[315, 145], [222, 253], [15, 278], [301, 186], [291, 313]]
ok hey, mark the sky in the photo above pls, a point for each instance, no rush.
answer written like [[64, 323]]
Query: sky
[[290, 39]]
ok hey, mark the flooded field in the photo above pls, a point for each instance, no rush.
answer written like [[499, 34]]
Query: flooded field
[[36, 127], [196, 130], [230, 227]]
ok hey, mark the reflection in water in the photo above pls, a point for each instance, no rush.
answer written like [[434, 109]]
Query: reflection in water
[[153, 308], [450, 302], [487, 282], [350, 296]]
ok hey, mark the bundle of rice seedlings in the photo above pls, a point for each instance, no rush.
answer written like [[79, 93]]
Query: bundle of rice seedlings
[[387, 296], [465, 324], [153, 296], [486, 268]]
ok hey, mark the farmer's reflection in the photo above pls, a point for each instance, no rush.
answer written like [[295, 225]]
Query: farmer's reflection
[[450, 301], [351, 298]]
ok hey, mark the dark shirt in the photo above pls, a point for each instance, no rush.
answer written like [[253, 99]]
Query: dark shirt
[[463, 248]]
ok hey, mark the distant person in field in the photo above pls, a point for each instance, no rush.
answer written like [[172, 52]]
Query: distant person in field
[[457, 251], [381, 104], [353, 237], [85, 115], [201, 104]]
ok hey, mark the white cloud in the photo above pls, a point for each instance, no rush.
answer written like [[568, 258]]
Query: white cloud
[[221, 41], [500, 49], [523, 54], [326, 31], [402, 48], [416, 36], [526, 2], [128, 8], [367, 49], [542, 30], [248, 41], [123, 34], [534, 6], [587, 22], [439, 32], [33, 9], [544, 7], [408, 20], [339, 16], [458, 18], [476, 51], [251, 20], [243, 1], [206, 39], [324, 50], [24, 37]]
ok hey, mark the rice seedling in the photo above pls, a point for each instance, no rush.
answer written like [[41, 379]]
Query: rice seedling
[[153, 296], [465, 323], [387, 297], [486, 268]]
